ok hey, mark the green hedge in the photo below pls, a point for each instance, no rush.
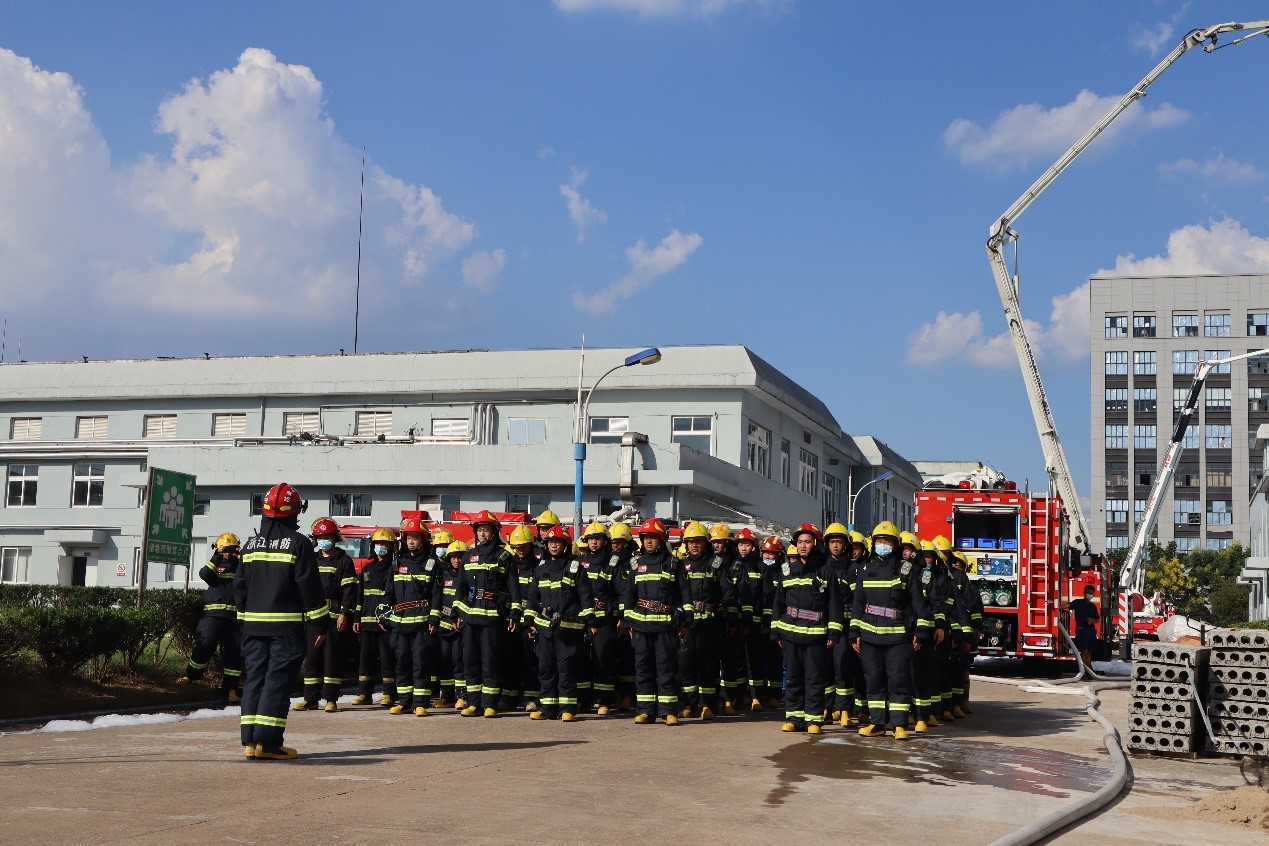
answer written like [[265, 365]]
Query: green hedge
[[77, 629]]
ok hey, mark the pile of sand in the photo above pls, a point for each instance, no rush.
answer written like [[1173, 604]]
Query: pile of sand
[[1246, 806]]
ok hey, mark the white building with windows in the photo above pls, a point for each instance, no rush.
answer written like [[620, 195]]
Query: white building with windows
[[1148, 335], [710, 433]]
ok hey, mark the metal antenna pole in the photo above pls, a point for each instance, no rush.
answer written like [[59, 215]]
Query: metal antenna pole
[[361, 215]]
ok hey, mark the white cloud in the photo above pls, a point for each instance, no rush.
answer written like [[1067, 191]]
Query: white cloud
[[1023, 133], [1153, 39], [646, 266], [255, 204], [545, 153], [958, 337], [482, 270], [663, 8], [1222, 246], [1217, 169], [580, 211]]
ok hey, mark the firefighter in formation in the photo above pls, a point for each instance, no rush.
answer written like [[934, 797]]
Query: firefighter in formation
[[873, 632]]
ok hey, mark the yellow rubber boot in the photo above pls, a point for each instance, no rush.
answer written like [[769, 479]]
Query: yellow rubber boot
[[932, 721], [566, 717], [277, 753], [602, 710], [301, 706], [233, 698], [788, 727], [729, 710], [920, 727], [814, 728], [958, 712], [706, 713], [671, 720], [642, 719], [755, 705], [397, 709], [490, 712], [360, 699], [900, 733], [420, 711], [871, 731], [331, 707], [470, 711]]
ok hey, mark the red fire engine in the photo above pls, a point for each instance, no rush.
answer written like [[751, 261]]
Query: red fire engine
[[1017, 548]]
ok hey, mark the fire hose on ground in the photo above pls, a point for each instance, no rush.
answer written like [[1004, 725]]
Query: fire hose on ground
[[1073, 813]]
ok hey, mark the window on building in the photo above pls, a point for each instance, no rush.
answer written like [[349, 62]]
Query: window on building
[[1117, 362], [1184, 362], [808, 473], [299, 422], [1258, 399], [229, 425], [1116, 511], [1187, 475], [1184, 325], [1116, 437], [202, 504], [758, 449], [1185, 512], [526, 430], [1258, 323], [1217, 355], [1144, 437], [1187, 544], [1116, 400], [88, 485], [1190, 438], [1218, 436], [1255, 472], [26, 428], [371, 424], [1116, 326], [1116, 542], [1217, 544], [1144, 400], [350, 504], [1219, 512], [1179, 396], [160, 426], [1138, 511], [1216, 325], [786, 462], [1116, 474], [531, 503], [1216, 399], [451, 427], [1258, 365], [608, 430], [439, 505], [1143, 325], [257, 503], [23, 481], [1143, 363], [90, 427], [695, 432], [1220, 474], [832, 499], [13, 564], [1143, 475]]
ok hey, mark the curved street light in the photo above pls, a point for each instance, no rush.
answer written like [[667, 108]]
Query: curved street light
[[855, 496]]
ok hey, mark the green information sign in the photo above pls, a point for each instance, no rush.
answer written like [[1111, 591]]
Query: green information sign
[[170, 518]]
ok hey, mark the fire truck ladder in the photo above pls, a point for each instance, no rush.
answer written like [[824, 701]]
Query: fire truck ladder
[[1038, 585]]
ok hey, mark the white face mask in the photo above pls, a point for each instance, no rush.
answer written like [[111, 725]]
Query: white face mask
[[381, 550], [882, 549], [324, 545]]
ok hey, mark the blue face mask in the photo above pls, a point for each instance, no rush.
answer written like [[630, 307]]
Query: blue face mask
[[440, 553], [380, 550], [882, 549], [324, 545]]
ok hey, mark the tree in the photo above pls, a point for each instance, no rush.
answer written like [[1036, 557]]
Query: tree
[[1202, 584]]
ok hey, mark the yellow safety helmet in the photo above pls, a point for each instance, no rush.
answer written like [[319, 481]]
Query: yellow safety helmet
[[927, 546], [941, 543], [455, 548], [680, 551], [720, 531], [442, 538], [595, 528], [960, 556], [548, 518], [792, 551], [226, 540], [620, 531], [382, 534], [909, 539], [885, 527], [868, 544], [858, 537], [578, 548], [695, 530], [520, 536], [837, 530]]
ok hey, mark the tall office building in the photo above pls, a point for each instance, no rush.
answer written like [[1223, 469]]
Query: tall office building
[[1148, 335]]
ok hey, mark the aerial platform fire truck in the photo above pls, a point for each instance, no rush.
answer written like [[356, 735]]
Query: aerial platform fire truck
[[1018, 548]]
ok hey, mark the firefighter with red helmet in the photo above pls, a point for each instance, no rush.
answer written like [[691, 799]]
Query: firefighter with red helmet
[[772, 661], [650, 609], [707, 600], [557, 607], [487, 591], [219, 625], [376, 654], [806, 620], [890, 620], [411, 617], [598, 660], [280, 603], [339, 585]]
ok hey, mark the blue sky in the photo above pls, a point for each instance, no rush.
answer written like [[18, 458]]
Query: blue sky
[[812, 179]]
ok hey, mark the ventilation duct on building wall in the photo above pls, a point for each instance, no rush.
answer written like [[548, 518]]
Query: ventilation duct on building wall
[[483, 423]]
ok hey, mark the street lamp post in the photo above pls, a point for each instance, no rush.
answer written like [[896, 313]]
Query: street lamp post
[[649, 356], [855, 496]]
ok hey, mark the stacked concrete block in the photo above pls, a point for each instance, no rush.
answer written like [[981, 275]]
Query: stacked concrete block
[[1238, 692], [1164, 714]]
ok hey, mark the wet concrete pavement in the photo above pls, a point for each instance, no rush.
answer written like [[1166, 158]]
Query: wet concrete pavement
[[370, 778]]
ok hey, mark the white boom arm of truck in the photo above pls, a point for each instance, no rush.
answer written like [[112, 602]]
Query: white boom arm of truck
[[1002, 232], [1131, 575]]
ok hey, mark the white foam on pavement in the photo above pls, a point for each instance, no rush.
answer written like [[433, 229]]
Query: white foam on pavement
[[127, 720]]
